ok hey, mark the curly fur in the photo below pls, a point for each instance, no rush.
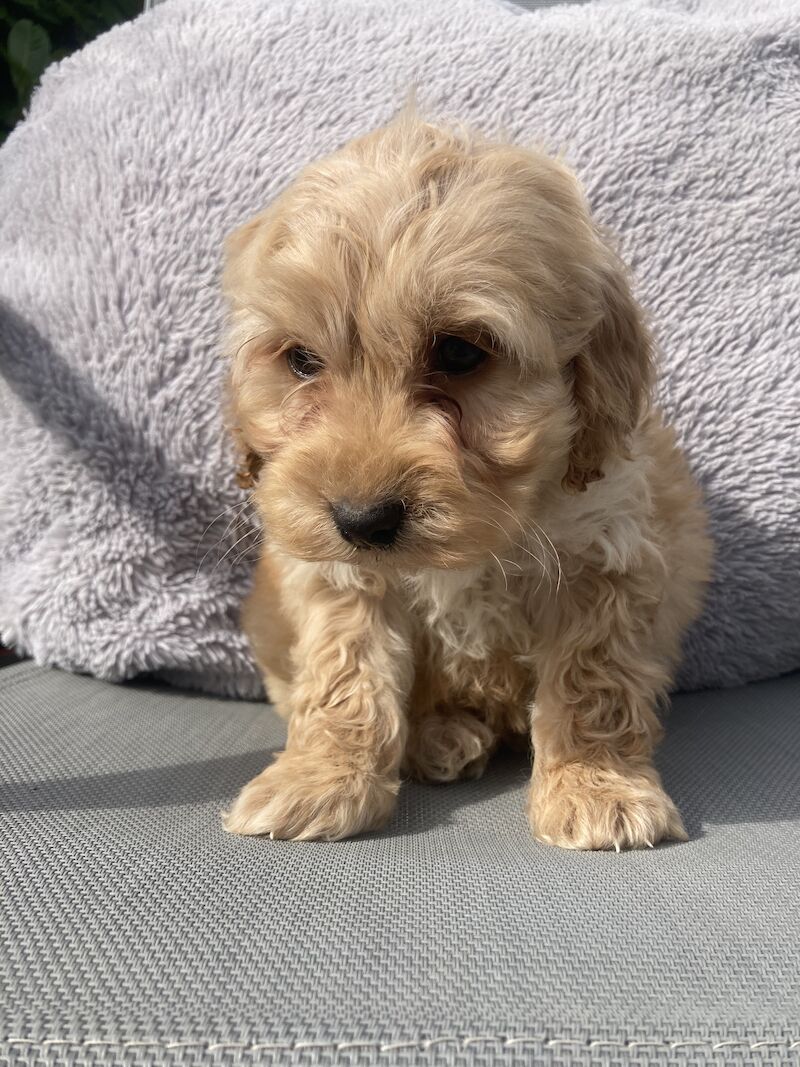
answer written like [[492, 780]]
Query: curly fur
[[555, 545]]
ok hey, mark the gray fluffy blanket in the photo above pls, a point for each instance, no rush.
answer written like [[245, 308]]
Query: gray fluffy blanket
[[682, 117]]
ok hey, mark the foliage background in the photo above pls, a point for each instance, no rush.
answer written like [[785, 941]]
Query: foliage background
[[34, 33]]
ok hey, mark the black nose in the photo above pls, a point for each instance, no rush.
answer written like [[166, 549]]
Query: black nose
[[371, 525]]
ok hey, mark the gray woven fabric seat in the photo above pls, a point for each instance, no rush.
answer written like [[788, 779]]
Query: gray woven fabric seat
[[134, 930]]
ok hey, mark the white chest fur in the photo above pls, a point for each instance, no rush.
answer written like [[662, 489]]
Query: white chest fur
[[472, 613]]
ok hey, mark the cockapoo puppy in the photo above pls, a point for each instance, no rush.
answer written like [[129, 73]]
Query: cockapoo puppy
[[477, 524]]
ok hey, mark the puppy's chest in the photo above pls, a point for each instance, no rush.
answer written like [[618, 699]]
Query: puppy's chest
[[474, 643]]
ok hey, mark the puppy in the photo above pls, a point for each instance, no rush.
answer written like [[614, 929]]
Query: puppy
[[478, 526]]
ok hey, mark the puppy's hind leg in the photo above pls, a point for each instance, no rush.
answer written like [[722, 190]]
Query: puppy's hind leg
[[446, 744], [270, 632]]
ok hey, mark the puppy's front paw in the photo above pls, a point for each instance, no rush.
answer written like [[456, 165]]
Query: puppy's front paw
[[298, 797], [581, 806]]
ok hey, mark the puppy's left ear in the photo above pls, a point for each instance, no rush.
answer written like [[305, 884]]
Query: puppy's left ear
[[611, 377]]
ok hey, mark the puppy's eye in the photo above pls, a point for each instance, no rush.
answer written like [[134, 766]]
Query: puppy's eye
[[302, 363], [454, 355]]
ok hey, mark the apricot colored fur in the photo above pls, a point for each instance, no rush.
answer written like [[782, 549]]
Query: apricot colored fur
[[554, 547]]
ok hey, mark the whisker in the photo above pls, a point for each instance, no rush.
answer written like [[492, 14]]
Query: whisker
[[502, 571], [240, 506], [506, 509], [545, 569], [516, 519], [511, 514], [515, 544], [555, 553], [247, 533], [250, 548]]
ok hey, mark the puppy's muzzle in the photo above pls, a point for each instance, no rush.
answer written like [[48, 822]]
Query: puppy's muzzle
[[374, 525]]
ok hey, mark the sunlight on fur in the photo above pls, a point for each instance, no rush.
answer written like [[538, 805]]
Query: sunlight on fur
[[477, 527]]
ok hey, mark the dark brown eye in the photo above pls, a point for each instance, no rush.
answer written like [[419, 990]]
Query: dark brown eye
[[302, 363], [454, 355]]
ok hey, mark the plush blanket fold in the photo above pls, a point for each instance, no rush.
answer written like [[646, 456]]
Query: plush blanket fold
[[124, 546]]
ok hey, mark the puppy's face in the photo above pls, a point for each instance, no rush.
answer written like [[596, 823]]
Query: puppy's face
[[426, 333]]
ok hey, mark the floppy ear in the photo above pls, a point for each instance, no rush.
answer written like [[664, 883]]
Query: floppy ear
[[237, 246], [249, 462], [611, 378], [249, 469], [238, 250]]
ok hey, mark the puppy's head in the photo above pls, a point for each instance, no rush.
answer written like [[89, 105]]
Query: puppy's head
[[426, 332]]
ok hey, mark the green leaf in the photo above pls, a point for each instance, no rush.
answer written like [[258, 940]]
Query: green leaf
[[28, 55]]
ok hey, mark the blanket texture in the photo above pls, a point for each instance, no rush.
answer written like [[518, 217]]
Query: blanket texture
[[122, 549]]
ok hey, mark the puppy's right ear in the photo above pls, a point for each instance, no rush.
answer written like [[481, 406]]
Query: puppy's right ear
[[248, 470], [249, 463], [239, 248], [240, 266]]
